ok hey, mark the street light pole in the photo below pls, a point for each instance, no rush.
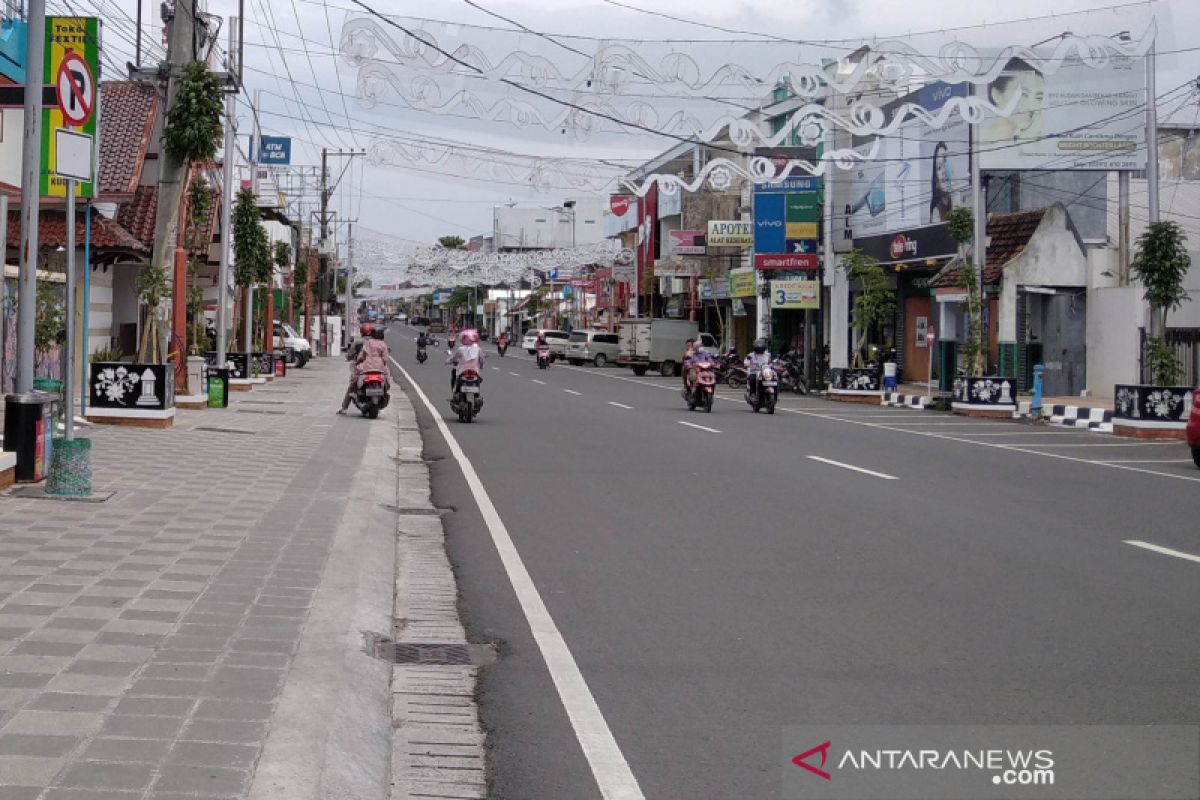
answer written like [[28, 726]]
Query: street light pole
[[31, 173]]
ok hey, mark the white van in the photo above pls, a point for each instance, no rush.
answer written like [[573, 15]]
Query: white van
[[286, 336]]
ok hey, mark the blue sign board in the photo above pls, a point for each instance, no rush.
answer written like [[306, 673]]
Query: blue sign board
[[789, 186], [770, 228], [442, 296], [275, 150]]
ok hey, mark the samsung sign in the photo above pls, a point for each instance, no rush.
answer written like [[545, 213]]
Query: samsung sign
[[275, 150]]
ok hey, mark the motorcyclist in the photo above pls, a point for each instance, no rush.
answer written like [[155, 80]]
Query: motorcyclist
[[468, 355], [371, 355], [758, 357], [422, 340], [698, 354], [541, 344]]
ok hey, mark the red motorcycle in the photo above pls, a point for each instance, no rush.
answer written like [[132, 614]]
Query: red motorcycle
[[502, 344], [372, 394], [703, 386]]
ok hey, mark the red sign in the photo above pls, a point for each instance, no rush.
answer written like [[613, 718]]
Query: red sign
[[785, 261], [619, 203], [903, 247], [76, 89], [687, 243]]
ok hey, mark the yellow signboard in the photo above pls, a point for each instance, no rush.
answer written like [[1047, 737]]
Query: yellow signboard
[[743, 284], [72, 66], [801, 230]]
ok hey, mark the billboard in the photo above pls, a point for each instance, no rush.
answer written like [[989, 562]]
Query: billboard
[[787, 218], [686, 243], [796, 294], [915, 178], [275, 150], [1078, 118]]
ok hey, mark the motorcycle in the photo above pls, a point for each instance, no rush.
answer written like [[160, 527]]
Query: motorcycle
[[764, 393], [544, 357], [791, 373], [468, 395], [421, 354], [703, 386], [502, 345], [371, 395]]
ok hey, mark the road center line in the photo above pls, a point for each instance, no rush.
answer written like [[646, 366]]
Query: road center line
[[619, 405], [697, 427], [515, 374], [572, 391], [535, 380], [613, 775], [833, 463], [1166, 551]]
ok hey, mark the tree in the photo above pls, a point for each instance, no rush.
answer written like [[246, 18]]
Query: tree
[[199, 208], [874, 302], [452, 242], [251, 249], [1160, 264], [961, 225]]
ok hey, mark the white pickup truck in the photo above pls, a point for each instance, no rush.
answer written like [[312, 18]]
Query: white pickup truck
[[286, 336], [657, 344]]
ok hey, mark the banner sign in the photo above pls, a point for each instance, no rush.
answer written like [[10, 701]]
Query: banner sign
[[687, 243], [72, 67], [918, 244], [787, 217], [731, 233], [796, 294], [442, 296], [743, 283], [1078, 118], [714, 289], [772, 261], [675, 269], [275, 150]]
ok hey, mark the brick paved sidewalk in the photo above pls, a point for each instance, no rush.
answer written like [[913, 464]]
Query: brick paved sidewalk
[[145, 641]]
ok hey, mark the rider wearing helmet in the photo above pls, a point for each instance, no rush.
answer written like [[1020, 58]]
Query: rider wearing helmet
[[369, 354], [758, 358], [468, 355]]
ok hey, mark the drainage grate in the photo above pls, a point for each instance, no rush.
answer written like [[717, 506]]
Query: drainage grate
[[415, 511], [222, 430], [429, 654], [265, 402]]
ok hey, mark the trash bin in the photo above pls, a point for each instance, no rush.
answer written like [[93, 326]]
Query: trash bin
[[889, 375], [280, 364], [218, 387], [28, 431]]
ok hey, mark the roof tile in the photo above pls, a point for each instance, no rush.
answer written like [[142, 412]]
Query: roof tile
[[52, 231], [125, 129]]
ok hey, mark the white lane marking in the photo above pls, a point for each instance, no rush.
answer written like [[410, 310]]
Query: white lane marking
[[1143, 461], [496, 368], [535, 380], [833, 463], [613, 775], [572, 391], [619, 405], [515, 374], [1093, 444], [1166, 551], [698, 427], [815, 413]]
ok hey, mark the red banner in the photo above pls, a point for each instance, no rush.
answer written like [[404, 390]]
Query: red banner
[[771, 261]]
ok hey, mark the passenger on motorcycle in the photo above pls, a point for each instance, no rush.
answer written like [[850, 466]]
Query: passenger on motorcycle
[[371, 355], [468, 355], [698, 355]]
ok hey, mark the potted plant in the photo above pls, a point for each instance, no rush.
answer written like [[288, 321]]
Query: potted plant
[[974, 392], [874, 304], [1157, 408]]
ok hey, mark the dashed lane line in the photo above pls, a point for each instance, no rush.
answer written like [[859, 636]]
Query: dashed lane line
[[698, 427], [619, 405], [572, 391], [1166, 551], [853, 468]]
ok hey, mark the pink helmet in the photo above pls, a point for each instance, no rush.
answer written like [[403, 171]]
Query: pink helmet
[[470, 336]]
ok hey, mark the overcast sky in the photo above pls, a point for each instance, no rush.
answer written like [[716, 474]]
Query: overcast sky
[[417, 204]]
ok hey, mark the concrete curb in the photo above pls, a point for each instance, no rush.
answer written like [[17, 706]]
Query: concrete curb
[[438, 744], [331, 734]]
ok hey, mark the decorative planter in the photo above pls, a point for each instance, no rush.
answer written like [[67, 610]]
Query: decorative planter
[[241, 370], [131, 394], [855, 385], [989, 396], [262, 365], [1151, 412]]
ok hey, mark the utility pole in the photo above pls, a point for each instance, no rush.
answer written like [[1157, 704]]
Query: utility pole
[[31, 173], [327, 191], [349, 281], [1151, 135], [181, 50], [222, 343], [248, 328]]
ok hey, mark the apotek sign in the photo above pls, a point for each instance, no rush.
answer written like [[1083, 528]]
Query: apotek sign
[[733, 233]]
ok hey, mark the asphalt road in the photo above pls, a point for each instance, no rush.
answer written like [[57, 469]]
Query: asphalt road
[[718, 583]]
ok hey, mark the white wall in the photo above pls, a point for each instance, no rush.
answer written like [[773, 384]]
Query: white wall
[[1188, 315], [1052, 258], [538, 227], [1114, 315]]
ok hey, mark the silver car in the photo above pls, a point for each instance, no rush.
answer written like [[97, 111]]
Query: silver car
[[598, 347]]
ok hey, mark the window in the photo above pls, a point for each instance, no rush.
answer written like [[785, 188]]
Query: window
[[579, 337], [607, 338]]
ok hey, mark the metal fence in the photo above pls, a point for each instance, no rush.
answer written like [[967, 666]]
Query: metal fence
[[1186, 342]]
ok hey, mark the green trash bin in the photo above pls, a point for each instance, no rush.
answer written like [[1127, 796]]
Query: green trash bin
[[947, 364], [218, 387]]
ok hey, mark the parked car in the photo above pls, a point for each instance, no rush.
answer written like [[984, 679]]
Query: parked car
[[598, 347], [437, 327], [1193, 427], [557, 339], [286, 336]]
